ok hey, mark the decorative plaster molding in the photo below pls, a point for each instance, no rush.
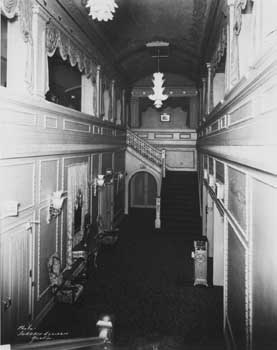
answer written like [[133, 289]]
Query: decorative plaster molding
[[9, 8], [174, 91], [220, 49], [24, 10], [72, 125], [56, 38]]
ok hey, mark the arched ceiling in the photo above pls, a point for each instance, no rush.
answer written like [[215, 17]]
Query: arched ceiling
[[182, 23]]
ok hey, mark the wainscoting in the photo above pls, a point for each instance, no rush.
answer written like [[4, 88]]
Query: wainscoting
[[40, 142], [237, 148], [180, 146]]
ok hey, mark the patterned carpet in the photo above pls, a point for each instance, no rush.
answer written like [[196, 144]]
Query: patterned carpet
[[146, 282]]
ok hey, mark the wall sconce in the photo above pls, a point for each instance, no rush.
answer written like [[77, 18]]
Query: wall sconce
[[211, 181], [55, 206], [119, 176], [109, 176], [101, 180], [219, 190], [97, 182]]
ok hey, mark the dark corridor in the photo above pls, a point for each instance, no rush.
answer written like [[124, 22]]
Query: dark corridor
[[146, 282]]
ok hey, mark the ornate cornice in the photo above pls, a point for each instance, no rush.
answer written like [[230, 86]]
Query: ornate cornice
[[102, 52], [185, 91]]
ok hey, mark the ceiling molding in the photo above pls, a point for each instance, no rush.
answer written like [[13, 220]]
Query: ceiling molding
[[121, 42]]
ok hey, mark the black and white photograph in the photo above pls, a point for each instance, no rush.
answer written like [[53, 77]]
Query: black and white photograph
[[138, 174]]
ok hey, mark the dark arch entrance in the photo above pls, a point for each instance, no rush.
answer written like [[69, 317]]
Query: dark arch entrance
[[143, 190]]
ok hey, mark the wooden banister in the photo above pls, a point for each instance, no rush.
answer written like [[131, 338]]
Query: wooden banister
[[144, 148]]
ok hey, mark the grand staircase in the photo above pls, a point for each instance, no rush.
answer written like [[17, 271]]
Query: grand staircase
[[180, 204]]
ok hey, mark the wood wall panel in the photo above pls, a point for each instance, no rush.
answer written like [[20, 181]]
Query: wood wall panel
[[236, 288], [72, 125], [49, 177], [237, 196], [264, 269], [211, 166], [220, 174], [107, 161], [63, 235], [67, 161], [177, 159], [119, 161], [47, 245], [241, 113], [15, 265], [18, 183], [50, 122]]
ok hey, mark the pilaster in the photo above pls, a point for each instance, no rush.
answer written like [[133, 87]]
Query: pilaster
[[204, 110], [41, 75], [98, 91], [134, 122], [124, 107], [209, 88], [113, 100]]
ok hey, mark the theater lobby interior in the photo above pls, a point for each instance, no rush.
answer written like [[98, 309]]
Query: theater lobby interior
[[138, 174]]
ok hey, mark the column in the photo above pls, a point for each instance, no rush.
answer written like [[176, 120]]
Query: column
[[98, 91], [204, 111], [123, 107], [86, 95], [193, 112], [134, 122], [119, 110], [41, 75], [209, 88], [113, 101], [16, 67], [230, 35], [158, 213], [200, 111]]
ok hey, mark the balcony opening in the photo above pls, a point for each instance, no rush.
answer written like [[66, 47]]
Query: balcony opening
[[64, 83]]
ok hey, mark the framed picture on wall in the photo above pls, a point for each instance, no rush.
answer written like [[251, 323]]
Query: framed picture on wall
[[165, 117]]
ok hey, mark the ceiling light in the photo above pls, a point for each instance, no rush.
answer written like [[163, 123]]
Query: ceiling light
[[158, 97], [158, 80], [102, 10]]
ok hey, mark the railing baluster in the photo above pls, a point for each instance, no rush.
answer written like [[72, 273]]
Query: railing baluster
[[144, 148]]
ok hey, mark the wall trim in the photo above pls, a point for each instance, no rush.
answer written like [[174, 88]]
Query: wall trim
[[130, 176]]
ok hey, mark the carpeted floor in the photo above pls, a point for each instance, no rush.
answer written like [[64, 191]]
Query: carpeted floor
[[146, 282]]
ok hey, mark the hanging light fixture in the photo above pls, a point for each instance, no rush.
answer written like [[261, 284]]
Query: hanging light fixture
[[102, 10], [158, 80]]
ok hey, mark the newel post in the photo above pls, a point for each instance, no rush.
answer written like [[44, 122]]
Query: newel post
[[158, 213], [163, 162]]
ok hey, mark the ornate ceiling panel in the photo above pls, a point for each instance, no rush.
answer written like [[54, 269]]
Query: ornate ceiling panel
[[182, 23]]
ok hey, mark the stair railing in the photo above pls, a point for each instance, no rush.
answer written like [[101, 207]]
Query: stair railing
[[144, 148]]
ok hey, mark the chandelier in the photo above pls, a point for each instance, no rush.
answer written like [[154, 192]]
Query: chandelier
[[158, 97], [158, 80], [102, 10]]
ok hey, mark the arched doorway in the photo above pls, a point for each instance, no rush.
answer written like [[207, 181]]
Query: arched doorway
[[143, 190]]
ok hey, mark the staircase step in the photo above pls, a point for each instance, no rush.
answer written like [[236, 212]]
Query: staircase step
[[180, 205]]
